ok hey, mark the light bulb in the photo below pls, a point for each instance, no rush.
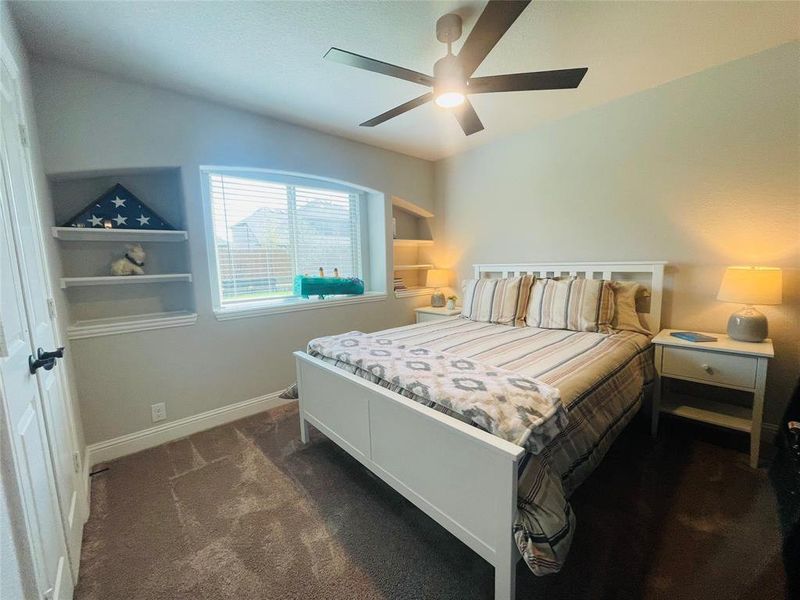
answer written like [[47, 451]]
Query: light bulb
[[450, 99]]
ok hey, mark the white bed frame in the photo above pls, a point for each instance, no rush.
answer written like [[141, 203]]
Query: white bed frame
[[463, 478]]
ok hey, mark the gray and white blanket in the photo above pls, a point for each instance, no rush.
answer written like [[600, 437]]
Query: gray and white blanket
[[518, 409]]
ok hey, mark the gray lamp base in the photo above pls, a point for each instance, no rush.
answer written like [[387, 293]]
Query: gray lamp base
[[747, 325], [438, 300]]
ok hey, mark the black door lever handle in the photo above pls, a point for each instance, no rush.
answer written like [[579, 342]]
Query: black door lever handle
[[45, 360], [58, 353], [34, 364]]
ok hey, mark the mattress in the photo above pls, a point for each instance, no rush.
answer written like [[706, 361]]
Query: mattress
[[601, 379]]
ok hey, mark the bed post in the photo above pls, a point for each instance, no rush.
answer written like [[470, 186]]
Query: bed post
[[301, 412], [656, 297], [507, 554]]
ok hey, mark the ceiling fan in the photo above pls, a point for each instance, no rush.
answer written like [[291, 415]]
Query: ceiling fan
[[452, 79]]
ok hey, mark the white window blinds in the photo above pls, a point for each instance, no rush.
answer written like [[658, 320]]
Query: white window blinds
[[266, 232]]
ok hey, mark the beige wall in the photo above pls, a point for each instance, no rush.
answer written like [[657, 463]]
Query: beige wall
[[702, 172], [89, 122]]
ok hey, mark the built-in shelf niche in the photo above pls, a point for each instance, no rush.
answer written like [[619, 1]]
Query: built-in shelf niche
[[102, 304], [411, 246]]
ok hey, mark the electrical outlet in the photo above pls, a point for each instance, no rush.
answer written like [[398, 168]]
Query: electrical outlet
[[158, 411]]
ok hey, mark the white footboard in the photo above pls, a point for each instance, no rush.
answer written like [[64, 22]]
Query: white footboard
[[464, 478]]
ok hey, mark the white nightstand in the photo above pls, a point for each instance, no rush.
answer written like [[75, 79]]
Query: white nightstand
[[429, 313], [725, 363]]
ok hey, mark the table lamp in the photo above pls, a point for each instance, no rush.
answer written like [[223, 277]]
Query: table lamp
[[748, 286], [437, 278]]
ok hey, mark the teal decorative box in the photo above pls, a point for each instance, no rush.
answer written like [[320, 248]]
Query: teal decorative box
[[306, 286]]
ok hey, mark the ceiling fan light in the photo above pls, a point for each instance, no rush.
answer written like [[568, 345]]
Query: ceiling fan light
[[450, 99]]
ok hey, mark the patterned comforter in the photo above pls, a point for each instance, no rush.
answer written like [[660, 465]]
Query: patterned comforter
[[601, 379], [517, 409]]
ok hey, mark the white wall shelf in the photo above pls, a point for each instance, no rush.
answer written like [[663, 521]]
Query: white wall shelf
[[410, 207], [99, 234], [129, 324], [412, 267], [414, 291], [407, 242], [67, 282]]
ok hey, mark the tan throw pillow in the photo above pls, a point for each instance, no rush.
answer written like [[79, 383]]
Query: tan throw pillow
[[625, 316], [501, 301], [574, 304]]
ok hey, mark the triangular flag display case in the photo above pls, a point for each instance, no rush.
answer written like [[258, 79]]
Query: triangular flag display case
[[118, 208]]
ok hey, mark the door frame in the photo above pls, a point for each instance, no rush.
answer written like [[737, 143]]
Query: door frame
[[81, 467]]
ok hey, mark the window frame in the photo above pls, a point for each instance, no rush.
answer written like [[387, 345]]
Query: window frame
[[289, 304]]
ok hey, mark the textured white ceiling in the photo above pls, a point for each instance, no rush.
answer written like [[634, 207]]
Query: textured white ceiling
[[267, 56]]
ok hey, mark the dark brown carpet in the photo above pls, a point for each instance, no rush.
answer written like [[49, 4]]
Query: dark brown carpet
[[245, 511]]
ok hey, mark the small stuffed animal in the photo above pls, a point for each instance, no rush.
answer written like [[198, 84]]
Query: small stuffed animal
[[131, 263]]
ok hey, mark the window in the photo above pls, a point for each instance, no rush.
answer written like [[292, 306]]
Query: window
[[268, 228]]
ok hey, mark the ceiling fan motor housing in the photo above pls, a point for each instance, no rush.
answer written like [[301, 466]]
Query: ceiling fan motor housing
[[448, 76], [448, 28]]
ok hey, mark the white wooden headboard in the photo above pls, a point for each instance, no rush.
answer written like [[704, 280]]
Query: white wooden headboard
[[649, 274]]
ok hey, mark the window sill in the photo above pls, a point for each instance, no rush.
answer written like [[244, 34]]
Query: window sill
[[258, 309]]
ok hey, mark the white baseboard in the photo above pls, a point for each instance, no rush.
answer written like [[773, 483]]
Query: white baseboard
[[87, 484], [160, 434]]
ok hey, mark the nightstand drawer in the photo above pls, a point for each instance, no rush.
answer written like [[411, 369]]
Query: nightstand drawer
[[429, 313], [425, 317], [714, 367]]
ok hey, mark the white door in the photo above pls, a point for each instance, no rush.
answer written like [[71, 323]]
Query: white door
[[36, 406], [23, 412]]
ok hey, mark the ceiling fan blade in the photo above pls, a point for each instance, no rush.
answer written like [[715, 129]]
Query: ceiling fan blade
[[494, 21], [468, 118], [561, 79], [398, 110], [377, 66]]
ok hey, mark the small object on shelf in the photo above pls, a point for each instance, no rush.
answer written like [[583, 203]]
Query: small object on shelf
[[437, 278], [399, 284], [118, 208], [336, 272], [451, 302], [321, 272], [748, 286], [327, 286], [693, 336], [131, 263]]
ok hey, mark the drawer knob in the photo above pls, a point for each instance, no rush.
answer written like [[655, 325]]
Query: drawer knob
[[707, 368]]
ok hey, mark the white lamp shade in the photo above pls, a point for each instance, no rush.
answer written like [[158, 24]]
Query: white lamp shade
[[437, 278], [751, 285]]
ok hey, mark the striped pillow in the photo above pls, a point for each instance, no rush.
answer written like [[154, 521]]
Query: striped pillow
[[574, 304], [501, 301]]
